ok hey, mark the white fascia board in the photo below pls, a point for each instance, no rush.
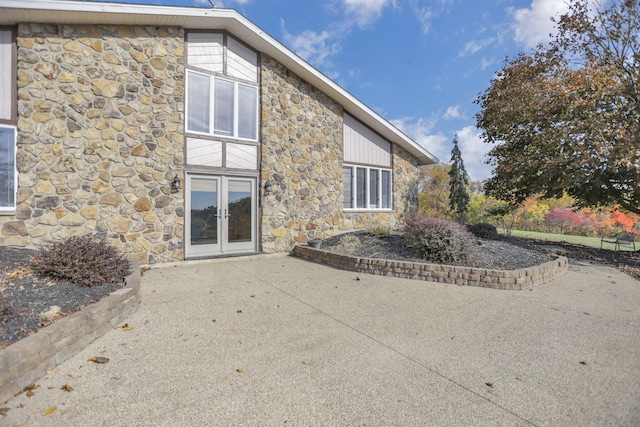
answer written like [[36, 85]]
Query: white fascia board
[[81, 12]]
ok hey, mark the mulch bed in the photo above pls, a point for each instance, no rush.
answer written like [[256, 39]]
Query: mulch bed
[[508, 253], [24, 296]]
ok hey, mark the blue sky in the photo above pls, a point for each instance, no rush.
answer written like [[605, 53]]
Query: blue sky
[[418, 63]]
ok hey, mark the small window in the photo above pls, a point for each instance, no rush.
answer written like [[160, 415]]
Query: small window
[[366, 188], [8, 173]]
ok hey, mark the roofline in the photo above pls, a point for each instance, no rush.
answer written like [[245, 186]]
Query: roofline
[[75, 12]]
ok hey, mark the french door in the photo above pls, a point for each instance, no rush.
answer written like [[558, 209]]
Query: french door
[[221, 215]]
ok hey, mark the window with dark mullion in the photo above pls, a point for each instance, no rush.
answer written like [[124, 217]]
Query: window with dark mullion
[[361, 188]]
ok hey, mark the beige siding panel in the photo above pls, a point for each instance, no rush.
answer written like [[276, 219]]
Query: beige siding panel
[[203, 152], [205, 50], [6, 80], [362, 145], [242, 62], [240, 156]]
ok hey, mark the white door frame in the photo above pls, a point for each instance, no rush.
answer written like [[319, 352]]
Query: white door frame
[[218, 220]]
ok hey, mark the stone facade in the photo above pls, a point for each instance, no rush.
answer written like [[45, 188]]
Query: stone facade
[[302, 146], [100, 137]]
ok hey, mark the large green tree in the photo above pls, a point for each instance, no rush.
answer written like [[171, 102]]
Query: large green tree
[[566, 117], [458, 183]]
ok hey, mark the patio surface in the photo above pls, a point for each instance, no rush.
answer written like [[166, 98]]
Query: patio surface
[[274, 340]]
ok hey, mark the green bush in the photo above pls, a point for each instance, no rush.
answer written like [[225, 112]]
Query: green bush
[[483, 230], [437, 240], [83, 260]]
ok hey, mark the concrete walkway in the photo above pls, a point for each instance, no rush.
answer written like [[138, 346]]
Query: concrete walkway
[[274, 340]]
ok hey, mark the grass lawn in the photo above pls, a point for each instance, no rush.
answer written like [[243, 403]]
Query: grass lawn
[[579, 240]]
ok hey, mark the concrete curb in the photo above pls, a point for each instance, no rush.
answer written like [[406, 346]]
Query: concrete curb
[[27, 360], [523, 278]]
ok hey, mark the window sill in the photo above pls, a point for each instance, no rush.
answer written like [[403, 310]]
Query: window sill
[[356, 210], [7, 213]]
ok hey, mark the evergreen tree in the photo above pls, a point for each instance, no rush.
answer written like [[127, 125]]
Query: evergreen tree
[[458, 183]]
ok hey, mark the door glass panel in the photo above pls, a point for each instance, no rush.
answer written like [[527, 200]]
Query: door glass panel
[[240, 205], [204, 211]]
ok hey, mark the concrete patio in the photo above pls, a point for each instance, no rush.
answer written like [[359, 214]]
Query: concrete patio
[[274, 340]]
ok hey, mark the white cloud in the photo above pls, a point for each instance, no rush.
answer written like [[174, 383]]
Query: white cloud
[[362, 13], [474, 151], [474, 46], [533, 25], [316, 48], [421, 131], [453, 113]]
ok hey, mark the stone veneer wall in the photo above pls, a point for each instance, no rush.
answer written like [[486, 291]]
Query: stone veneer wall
[[302, 153], [100, 132]]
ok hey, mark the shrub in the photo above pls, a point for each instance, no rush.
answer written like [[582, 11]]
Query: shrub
[[378, 230], [484, 230], [83, 260], [437, 240]]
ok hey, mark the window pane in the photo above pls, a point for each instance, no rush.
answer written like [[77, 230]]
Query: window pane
[[374, 185], [361, 187], [348, 187], [7, 167], [247, 112], [223, 108], [386, 189], [199, 102]]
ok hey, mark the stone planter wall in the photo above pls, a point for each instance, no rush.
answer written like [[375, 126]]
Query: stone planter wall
[[302, 153], [524, 278], [100, 137], [25, 361]]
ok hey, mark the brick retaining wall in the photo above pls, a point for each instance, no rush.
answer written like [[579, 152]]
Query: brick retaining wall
[[27, 360], [523, 278]]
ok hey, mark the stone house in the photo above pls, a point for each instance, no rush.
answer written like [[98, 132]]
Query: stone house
[[181, 133]]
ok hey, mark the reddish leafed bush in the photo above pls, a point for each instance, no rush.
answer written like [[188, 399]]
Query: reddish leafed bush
[[437, 240], [83, 260]]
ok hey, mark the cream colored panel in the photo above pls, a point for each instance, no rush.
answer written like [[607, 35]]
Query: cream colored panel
[[362, 145], [242, 62], [240, 156], [202, 152], [205, 50]]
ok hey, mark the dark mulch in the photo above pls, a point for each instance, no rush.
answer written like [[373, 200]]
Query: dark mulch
[[24, 296], [508, 253]]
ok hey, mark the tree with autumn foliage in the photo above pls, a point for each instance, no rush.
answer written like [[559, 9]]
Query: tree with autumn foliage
[[566, 118], [562, 218]]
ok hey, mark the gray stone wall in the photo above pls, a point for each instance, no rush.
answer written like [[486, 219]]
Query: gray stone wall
[[302, 145], [100, 137]]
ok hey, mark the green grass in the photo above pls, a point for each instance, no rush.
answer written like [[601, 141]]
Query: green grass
[[579, 240]]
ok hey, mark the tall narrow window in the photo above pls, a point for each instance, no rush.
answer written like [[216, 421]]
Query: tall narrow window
[[7, 168], [247, 112], [374, 186], [223, 108], [361, 187], [348, 187], [386, 190], [199, 102]]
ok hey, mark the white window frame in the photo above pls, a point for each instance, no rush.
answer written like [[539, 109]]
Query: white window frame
[[211, 132], [11, 208], [368, 206]]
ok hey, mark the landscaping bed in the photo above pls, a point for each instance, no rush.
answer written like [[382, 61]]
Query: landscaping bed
[[25, 296]]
